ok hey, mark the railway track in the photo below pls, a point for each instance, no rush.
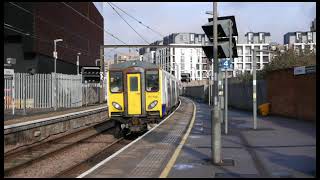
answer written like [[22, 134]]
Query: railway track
[[67, 156], [17, 163]]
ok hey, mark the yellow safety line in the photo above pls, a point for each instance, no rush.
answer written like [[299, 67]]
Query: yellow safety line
[[175, 155]]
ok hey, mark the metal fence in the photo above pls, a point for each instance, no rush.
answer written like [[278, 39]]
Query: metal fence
[[69, 92], [38, 91], [91, 93]]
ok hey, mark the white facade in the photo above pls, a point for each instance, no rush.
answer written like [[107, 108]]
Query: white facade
[[179, 60], [301, 40], [244, 61]]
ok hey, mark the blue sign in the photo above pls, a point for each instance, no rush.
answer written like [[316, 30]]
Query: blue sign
[[225, 64]]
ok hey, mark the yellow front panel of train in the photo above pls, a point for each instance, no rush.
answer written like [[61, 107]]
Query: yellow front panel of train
[[134, 94]]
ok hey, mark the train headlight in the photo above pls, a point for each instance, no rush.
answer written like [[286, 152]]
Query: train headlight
[[116, 105], [153, 104]]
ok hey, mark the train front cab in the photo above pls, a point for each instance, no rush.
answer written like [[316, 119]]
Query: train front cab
[[140, 97]]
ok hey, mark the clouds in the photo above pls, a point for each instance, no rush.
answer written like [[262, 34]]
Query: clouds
[[170, 17]]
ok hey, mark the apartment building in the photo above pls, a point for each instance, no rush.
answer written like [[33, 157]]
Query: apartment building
[[252, 40], [123, 57], [300, 40], [179, 61]]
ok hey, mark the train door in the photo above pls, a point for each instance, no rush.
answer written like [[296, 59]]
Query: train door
[[134, 94]]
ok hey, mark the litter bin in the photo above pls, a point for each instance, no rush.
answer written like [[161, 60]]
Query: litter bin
[[264, 109]]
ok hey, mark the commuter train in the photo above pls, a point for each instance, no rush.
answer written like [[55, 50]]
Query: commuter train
[[140, 93]]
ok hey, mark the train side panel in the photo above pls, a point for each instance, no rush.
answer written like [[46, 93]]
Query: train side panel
[[155, 96], [114, 97]]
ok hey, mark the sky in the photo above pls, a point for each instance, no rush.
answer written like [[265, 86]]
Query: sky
[[173, 17]]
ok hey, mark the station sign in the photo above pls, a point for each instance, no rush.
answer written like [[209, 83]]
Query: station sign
[[8, 72], [304, 70], [225, 64]]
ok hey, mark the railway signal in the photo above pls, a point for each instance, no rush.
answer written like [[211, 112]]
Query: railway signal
[[224, 34], [220, 31], [91, 74]]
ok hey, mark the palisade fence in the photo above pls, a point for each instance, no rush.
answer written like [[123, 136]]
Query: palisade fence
[[38, 91]]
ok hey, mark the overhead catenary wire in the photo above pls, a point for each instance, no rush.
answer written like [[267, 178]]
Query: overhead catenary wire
[[41, 18], [137, 20], [128, 23], [96, 25], [27, 34], [93, 22], [47, 21]]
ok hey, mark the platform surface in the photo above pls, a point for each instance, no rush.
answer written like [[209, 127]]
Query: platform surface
[[148, 156], [280, 147]]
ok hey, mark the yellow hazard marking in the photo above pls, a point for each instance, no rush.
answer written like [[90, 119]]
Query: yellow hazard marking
[[176, 153]]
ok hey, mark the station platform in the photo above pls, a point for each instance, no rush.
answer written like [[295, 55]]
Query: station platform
[[35, 114], [148, 155], [278, 148], [181, 147]]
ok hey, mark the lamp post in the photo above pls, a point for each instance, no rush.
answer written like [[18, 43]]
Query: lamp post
[[178, 70], [10, 62], [30, 72], [78, 54], [55, 55], [254, 82], [215, 112], [195, 74]]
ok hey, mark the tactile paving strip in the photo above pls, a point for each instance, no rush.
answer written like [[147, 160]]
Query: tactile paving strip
[[150, 164]]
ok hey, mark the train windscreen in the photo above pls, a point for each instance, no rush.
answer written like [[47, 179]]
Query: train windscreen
[[116, 83], [152, 81]]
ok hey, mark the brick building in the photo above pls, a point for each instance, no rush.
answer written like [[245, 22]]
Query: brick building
[[31, 27]]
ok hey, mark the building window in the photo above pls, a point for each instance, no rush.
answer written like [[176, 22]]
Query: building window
[[181, 37], [240, 59], [248, 58], [248, 50], [261, 38], [257, 58], [206, 38], [250, 38], [309, 34], [258, 66], [191, 37], [182, 51], [265, 58], [197, 66], [265, 48], [198, 59], [298, 37], [240, 66], [240, 50], [257, 47], [248, 65]]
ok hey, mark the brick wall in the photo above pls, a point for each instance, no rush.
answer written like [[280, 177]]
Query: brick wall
[[292, 96]]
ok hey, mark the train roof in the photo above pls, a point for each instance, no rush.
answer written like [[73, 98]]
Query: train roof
[[137, 63]]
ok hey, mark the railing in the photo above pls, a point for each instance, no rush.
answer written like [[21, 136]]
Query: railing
[[37, 91]]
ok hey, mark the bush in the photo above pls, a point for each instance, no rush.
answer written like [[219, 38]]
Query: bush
[[288, 59]]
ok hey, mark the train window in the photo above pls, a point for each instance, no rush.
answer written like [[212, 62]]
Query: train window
[[133, 84], [152, 81], [116, 82]]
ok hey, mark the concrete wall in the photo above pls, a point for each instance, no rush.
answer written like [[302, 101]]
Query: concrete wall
[[292, 96], [197, 92], [240, 94], [24, 135]]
